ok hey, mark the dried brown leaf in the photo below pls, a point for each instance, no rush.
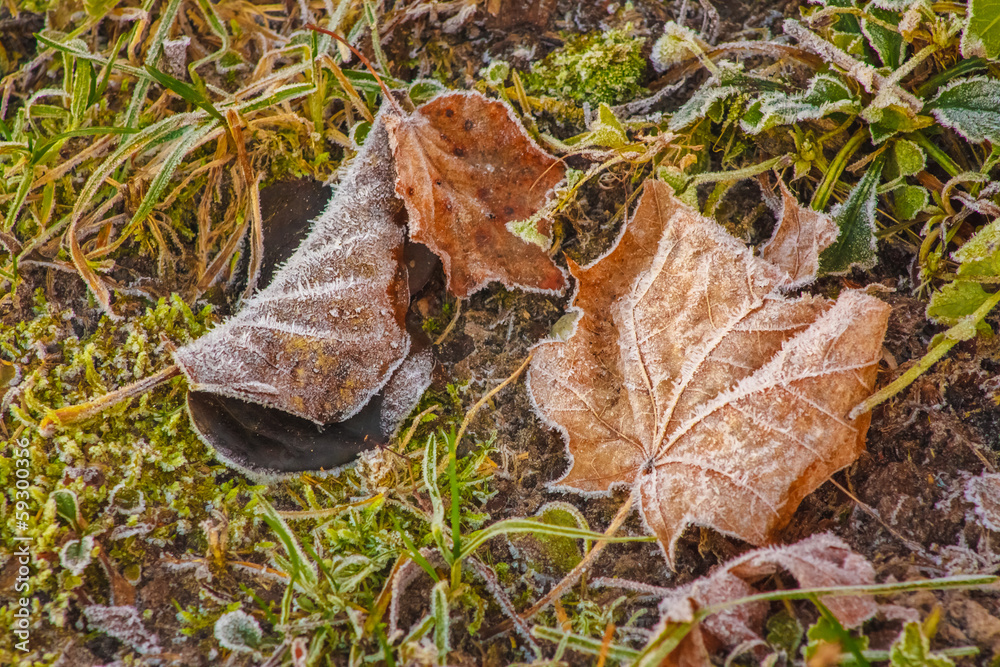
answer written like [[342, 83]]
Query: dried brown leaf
[[816, 562], [328, 332], [690, 377], [465, 168], [799, 237]]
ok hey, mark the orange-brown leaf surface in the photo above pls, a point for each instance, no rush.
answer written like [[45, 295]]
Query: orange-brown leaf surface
[[798, 239], [465, 168], [691, 378]]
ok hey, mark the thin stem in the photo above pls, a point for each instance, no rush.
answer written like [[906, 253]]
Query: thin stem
[[78, 413], [482, 401], [938, 155], [737, 174], [822, 196], [367, 63], [964, 330], [581, 567]]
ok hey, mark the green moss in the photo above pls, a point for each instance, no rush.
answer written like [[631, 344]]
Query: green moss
[[141, 449], [596, 67]]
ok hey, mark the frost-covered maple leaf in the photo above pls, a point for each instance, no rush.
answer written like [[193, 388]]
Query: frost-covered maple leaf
[[692, 379]]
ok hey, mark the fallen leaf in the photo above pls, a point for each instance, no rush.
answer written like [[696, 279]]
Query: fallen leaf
[[692, 379], [819, 561], [465, 168], [799, 237], [328, 332]]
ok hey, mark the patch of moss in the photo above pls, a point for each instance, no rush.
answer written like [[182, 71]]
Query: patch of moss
[[596, 67], [138, 475]]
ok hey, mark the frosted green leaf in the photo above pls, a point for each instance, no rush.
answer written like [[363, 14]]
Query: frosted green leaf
[[907, 158], [971, 107], [607, 131], [67, 507], [825, 95], [956, 300], [76, 554], [855, 217], [496, 72], [676, 45], [888, 44], [527, 230], [910, 200], [700, 104], [984, 245], [678, 180], [707, 100], [913, 649], [981, 36], [894, 118], [238, 631]]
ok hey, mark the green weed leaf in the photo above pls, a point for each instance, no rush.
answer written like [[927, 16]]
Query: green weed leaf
[[913, 649], [186, 92], [67, 508], [982, 29], [910, 200], [828, 631], [888, 44], [825, 95], [985, 245], [956, 300], [971, 107], [907, 159], [855, 217]]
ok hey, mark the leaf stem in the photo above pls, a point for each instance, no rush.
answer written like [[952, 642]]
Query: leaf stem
[[736, 174], [964, 330], [77, 413], [938, 155], [825, 188]]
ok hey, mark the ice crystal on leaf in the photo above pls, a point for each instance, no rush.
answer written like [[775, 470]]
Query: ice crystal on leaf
[[690, 378], [825, 95], [855, 218], [465, 168], [817, 562], [984, 494], [238, 631]]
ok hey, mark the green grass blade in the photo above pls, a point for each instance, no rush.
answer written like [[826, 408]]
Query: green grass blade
[[154, 49], [478, 538], [186, 92], [304, 571], [22, 193], [442, 625], [282, 94], [83, 55], [583, 644]]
